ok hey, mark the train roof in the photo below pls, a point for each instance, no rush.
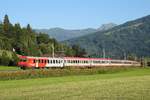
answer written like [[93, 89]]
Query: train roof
[[71, 58], [79, 58]]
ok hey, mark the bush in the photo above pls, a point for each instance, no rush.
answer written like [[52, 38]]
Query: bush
[[14, 60], [4, 59], [8, 58], [25, 74]]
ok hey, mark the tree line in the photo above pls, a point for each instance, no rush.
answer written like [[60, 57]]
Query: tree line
[[25, 41]]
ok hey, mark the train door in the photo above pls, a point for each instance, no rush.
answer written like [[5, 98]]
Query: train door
[[36, 63]]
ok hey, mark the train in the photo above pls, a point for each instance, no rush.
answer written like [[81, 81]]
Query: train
[[62, 62]]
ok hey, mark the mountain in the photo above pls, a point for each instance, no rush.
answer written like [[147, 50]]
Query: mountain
[[64, 34], [129, 39], [105, 27]]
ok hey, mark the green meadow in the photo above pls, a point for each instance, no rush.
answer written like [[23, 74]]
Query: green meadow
[[124, 85], [8, 68]]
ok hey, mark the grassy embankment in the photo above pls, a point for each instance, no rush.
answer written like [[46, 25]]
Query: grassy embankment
[[8, 68], [123, 85], [39, 73]]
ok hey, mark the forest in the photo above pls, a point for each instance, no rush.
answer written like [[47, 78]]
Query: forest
[[16, 40]]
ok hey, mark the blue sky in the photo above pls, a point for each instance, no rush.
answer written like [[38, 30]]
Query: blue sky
[[72, 14]]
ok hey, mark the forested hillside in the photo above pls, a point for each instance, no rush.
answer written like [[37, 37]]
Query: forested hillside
[[25, 41], [129, 39]]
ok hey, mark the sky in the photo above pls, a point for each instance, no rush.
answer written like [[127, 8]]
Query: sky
[[72, 14]]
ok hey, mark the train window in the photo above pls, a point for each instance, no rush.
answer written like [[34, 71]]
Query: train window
[[23, 60], [74, 61], [79, 61], [106, 61], [127, 62], [54, 61], [103, 61], [94, 61], [34, 61], [45, 61], [99, 61], [51, 61], [116, 62], [42, 61]]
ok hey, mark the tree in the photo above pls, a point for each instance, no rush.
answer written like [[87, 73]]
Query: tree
[[14, 60], [29, 29], [27, 42], [79, 52], [6, 24], [43, 38], [5, 59]]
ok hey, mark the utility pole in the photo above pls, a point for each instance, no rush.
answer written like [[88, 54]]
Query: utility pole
[[104, 55], [125, 56], [53, 50]]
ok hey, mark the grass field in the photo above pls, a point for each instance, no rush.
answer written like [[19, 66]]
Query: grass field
[[7, 68], [127, 85]]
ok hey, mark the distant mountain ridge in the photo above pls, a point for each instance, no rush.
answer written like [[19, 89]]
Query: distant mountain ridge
[[61, 34], [105, 27], [128, 39]]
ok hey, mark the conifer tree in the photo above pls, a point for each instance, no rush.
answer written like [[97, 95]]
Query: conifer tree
[[29, 29], [6, 24]]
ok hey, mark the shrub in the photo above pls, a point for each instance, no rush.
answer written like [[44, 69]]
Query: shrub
[[14, 60], [24, 74], [4, 59]]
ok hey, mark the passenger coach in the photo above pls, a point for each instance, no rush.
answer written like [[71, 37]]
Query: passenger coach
[[48, 62]]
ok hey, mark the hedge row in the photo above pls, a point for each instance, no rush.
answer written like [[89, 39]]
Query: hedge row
[[25, 74]]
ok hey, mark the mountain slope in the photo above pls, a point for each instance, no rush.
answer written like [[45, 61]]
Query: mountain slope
[[130, 38], [105, 27], [64, 34]]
